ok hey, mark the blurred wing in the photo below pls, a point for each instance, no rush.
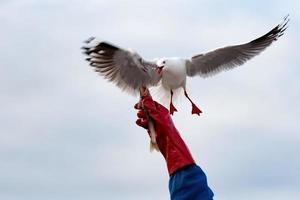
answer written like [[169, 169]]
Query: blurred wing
[[126, 69], [232, 56]]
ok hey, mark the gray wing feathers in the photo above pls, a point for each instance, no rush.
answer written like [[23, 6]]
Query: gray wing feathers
[[126, 69], [229, 57]]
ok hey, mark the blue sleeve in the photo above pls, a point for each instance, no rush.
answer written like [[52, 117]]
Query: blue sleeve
[[190, 183]]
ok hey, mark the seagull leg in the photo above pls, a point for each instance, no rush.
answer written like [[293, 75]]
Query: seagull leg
[[195, 109], [172, 107]]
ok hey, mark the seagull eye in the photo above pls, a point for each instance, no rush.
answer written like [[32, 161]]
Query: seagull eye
[[164, 62]]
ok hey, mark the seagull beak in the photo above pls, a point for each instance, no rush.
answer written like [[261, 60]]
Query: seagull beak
[[159, 69]]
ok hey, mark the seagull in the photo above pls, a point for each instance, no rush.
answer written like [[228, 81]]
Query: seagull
[[129, 71]]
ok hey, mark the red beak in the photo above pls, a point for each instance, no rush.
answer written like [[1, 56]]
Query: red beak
[[159, 69]]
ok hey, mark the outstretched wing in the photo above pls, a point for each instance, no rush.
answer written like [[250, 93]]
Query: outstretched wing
[[229, 57], [125, 68]]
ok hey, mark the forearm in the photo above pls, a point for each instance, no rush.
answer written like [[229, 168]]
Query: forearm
[[169, 141]]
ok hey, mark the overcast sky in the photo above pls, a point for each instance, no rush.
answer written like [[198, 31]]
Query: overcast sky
[[65, 133]]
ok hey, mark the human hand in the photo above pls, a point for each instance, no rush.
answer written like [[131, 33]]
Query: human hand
[[149, 109], [156, 119]]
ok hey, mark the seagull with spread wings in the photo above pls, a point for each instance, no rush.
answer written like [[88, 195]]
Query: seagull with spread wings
[[130, 71]]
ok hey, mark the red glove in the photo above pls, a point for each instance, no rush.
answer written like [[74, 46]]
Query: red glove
[[168, 139]]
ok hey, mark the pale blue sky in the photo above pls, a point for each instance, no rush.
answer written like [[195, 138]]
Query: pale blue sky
[[65, 133]]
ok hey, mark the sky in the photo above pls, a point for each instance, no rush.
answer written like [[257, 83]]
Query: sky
[[66, 133]]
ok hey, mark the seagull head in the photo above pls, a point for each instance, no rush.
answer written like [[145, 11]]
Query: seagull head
[[160, 64]]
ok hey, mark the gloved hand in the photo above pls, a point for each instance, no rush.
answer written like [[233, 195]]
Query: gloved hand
[[168, 139]]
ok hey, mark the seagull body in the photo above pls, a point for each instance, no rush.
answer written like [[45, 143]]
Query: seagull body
[[173, 76], [129, 71], [173, 73]]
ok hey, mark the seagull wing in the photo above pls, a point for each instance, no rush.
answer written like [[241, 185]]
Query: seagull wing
[[231, 56], [124, 68]]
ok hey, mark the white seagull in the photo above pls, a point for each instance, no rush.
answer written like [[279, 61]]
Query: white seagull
[[130, 71]]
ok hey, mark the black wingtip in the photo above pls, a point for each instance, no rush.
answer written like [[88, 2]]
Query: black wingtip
[[285, 21], [286, 17], [284, 25], [275, 33], [85, 48], [89, 40]]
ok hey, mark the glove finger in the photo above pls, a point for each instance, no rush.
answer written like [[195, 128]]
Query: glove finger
[[137, 106], [141, 114], [142, 123]]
